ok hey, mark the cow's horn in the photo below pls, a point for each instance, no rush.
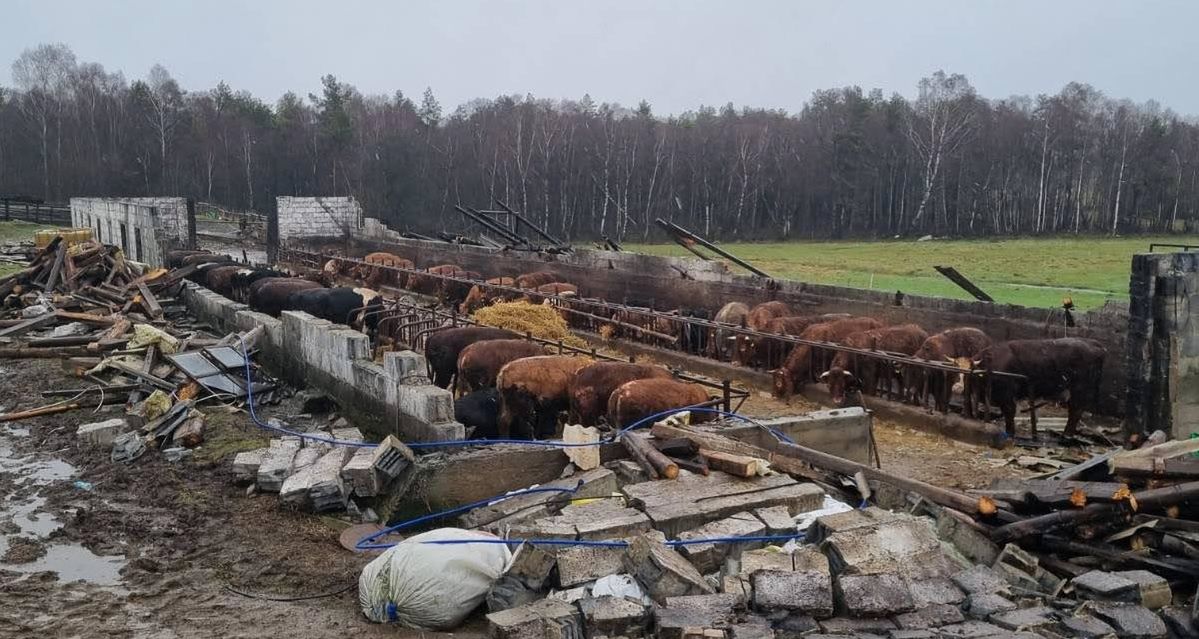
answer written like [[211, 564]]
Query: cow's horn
[[824, 376], [847, 374]]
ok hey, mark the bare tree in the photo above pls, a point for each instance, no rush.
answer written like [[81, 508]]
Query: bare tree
[[44, 74], [166, 108], [941, 121]]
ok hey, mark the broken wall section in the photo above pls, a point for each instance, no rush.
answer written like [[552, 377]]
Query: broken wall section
[[1163, 345], [332, 217], [144, 227], [394, 398]]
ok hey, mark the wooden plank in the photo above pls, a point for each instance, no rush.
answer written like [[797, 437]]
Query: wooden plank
[[55, 270], [738, 465], [149, 302], [88, 318], [645, 453], [28, 325], [1156, 467]]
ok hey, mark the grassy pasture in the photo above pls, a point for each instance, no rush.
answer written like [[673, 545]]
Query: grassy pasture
[[14, 231], [1026, 271]]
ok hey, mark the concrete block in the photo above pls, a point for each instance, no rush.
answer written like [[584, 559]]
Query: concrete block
[[531, 565], [873, 595], [360, 475], [694, 500], [581, 564], [600, 482], [662, 571], [544, 619], [1179, 620], [1154, 591], [856, 626], [689, 616], [708, 557], [628, 472], [101, 434], [1086, 627], [246, 463], [809, 592], [778, 520], [907, 544], [571, 595], [604, 519], [1131, 620], [848, 520], [427, 404], [507, 593], [938, 590], [614, 616], [294, 490], [1024, 618], [971, 629], [277, 464], [980, 580], [932, 616], [1105, 586], [985, 604], [402, 365], [751, 628], [326, 489], [766, 559]]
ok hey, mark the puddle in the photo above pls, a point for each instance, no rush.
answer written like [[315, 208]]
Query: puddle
[[29, 520], [40, 471], [72, 562]]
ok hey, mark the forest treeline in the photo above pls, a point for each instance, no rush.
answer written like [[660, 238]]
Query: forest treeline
[[848, 163]]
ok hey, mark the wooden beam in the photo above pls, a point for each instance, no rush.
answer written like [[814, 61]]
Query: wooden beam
[[28, 325], [149, 302]]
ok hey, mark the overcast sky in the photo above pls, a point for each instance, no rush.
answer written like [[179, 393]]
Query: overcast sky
[[677, 55]]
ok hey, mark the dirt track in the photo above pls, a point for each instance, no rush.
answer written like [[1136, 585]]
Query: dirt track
[[158, 544]]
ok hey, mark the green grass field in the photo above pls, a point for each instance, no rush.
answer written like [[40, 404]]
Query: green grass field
[[15, 232], [1029, 272]]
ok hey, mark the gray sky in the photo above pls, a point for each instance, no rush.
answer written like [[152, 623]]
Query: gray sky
[[677, 55]]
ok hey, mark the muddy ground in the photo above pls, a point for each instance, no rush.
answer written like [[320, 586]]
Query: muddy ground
[[92, 548]]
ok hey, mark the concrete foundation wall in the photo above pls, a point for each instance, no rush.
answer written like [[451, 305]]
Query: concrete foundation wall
[[671, 282], [387, 399], [145, 228], [301, 217], [1163, 345]]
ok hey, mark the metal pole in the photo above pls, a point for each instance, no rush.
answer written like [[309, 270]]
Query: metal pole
[[671, 226]]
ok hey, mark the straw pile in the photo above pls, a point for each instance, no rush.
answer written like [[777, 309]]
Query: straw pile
[[540, 320]]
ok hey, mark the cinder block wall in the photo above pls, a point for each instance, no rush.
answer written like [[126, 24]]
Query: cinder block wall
[[1163, 344], [674, 282], [387, 399], [151, 224], [301, 217]]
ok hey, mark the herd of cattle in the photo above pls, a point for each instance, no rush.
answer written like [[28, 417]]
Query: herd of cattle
[[511, 387]]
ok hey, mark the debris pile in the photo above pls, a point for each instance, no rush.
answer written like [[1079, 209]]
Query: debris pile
[[119, 327]]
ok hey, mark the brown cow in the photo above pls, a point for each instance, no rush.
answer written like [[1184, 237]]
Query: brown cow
[[533, 280], [561, 289], [443, 347], [948, 346], [594, 383], [533, 391], [734, 313], [851, 372], [480, 296], [270, 295], [638, 399], [757, 319], [426, 285], [452, 292], [220, 279], [480, 362], [760, 351], [376, 277], [797, 370]]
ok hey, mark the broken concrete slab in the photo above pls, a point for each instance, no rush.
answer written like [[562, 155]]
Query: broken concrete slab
[[752, 561], [974, 545], [507, 593], [600, 482], [1153, 591], [907, 544], [581, 564], [531, 565], [326, 489], [933, 616], [548, 618], [604, 519], [1105, 586], [848, 520], [1178, 619], [972, 629], [1130, 620], [628, 472], [938, 590], [794, 625], [662, 571], [809, 592], [690, 616], [980, 580], [246, 464], [277, 464], [985, 604], [571, 595], [708, 557], [360, 474], [614, 616], [778, 520], [101, 434], [856, 625], [1024, 618], [751, 628], [694, 500], [583, 457], [1085, 627], [873, 595]]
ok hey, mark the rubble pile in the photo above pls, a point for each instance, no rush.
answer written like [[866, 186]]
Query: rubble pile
[[119, 327]]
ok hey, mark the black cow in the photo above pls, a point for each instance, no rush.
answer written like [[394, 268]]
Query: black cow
[[342, 305], [479, 410], [1071, 365], [443, 348], [270, 295], [244, 278], [693, 338]]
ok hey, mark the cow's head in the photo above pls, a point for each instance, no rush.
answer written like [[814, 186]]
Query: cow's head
[[367, 319], [964, 363], [840, 383], [784, 382], [475, 300], [744, 348]]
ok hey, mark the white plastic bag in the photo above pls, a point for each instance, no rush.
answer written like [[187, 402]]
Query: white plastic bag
[[431, 586]]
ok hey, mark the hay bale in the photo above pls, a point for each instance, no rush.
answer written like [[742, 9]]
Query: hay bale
[[540, 320]]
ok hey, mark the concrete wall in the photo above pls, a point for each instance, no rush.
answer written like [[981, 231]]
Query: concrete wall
[[394, 398], [301, 217], [151, 224], [1163, 344], [672, 282]]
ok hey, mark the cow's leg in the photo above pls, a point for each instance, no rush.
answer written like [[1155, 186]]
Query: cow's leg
[[1073, 416], [1008, 407]]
